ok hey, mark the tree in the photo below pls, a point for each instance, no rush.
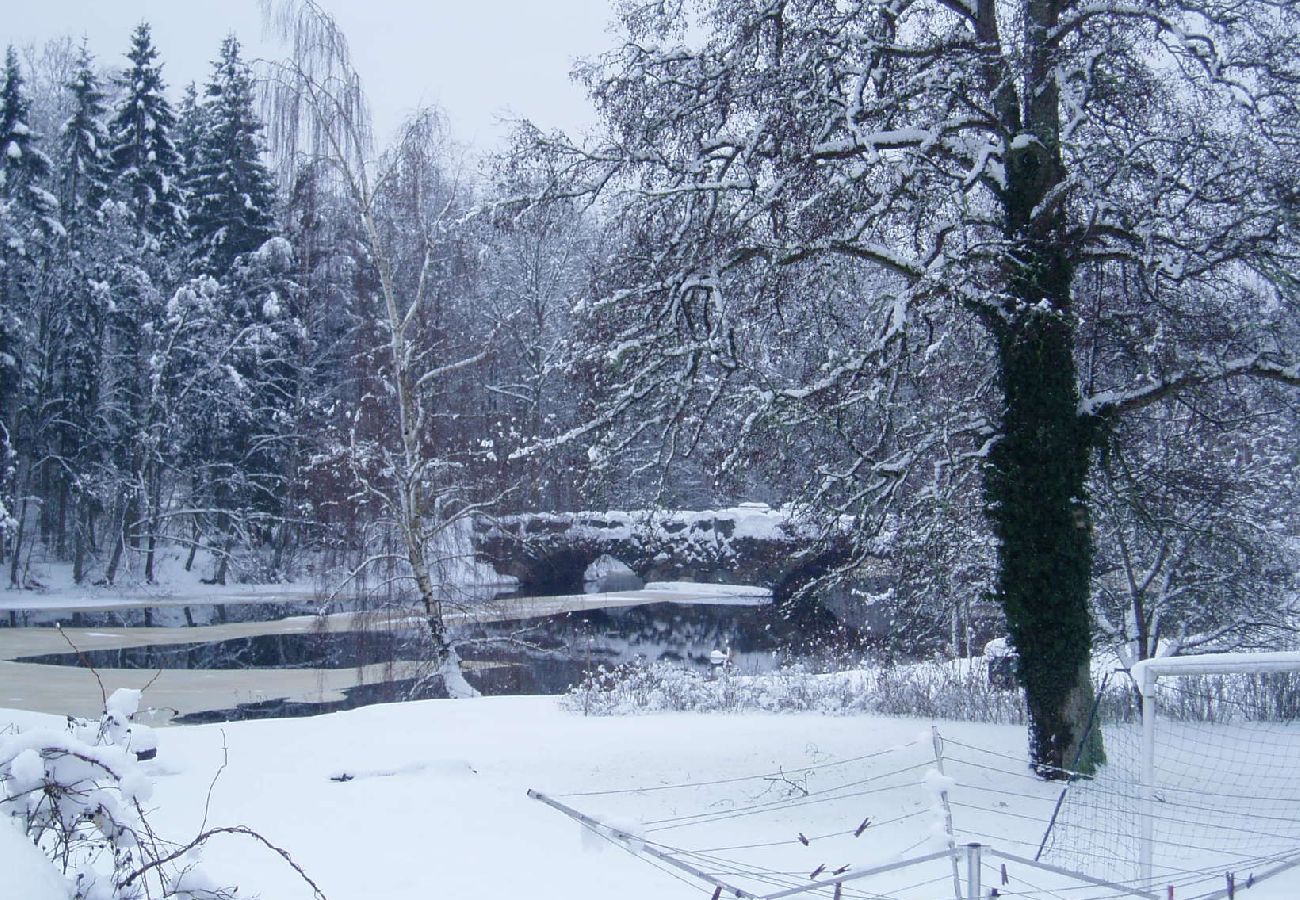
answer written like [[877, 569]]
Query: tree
[[534, 264], [930, 167], [236, 464], [1195, 517], [399, 450], [145, 161], [84, 185], [233, 193], [28, 223], [130, 408], [147, 173], [83, 167]]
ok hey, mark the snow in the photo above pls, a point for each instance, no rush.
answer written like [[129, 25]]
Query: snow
[[56, 594], [609, 574], [392, 802], [756, 521], [28, 875], [1024, 140], [998, 647], [437, 793], [124, 703], [70, 598], [687, 592]]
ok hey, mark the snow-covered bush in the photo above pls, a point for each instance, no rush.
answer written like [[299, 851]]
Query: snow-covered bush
[[930, 690], [79, 796]]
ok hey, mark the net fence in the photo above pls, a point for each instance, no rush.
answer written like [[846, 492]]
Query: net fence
[[1224, 805]]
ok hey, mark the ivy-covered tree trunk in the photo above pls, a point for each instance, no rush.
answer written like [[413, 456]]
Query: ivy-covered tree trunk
[[1037, 493], [1036, 481]]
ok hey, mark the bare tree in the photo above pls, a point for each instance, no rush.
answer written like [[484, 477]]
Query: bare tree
[[1195, 522], [399, 446], [916, 168]]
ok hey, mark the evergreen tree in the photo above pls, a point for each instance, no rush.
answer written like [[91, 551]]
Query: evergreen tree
[[190, 133], [236, 462], [24, 166], [84, 185], [83, 147], [28, 220], [233, 191], [147, 169], [145, 161]]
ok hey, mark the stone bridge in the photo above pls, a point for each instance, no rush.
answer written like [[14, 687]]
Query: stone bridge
[[751, 544]]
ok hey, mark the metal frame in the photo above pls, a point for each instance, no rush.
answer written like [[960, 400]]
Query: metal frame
[[1147, 673], [972, 853]]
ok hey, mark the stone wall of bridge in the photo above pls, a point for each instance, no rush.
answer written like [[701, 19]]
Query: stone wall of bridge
[[548, 552]]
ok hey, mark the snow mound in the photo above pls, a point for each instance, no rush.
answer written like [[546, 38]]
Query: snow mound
[[27, 873], [607, 574]]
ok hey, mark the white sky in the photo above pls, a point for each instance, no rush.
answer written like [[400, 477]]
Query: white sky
[[477, 59]]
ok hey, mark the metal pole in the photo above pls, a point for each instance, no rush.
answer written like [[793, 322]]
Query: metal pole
[[973, 872], [947, 813], [1117, 889], [1146, 827], [856, 875], [629, 841]]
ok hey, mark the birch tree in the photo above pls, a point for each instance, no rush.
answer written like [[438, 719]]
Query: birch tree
[[405, 203]]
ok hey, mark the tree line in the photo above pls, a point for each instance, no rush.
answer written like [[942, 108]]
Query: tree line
[[193, 334]]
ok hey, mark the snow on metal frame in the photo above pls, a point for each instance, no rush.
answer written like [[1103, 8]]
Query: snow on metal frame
[[1146, 671]]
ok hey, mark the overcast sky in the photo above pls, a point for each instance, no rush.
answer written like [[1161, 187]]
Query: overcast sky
[[477, 59]]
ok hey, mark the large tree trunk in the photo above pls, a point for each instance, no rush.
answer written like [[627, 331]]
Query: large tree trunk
[[1038, 504], [1037, 478]]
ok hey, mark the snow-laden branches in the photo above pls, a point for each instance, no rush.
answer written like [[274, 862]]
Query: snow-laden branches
[[1201, 372], [845, 228], [82, 797]]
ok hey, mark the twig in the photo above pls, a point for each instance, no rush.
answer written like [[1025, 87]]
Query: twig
[[204, 837], [148, 684], [81, 657], [225, 761]]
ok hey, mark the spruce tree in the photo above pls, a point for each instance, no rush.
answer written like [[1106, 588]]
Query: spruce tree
[[147, 170], [236, 462], [191, 131], [83, 146], [233, 191], [84, 184], [145, 161], [24, 167], [28, 222]]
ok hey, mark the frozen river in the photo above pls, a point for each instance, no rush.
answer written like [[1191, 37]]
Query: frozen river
[[186, 687]]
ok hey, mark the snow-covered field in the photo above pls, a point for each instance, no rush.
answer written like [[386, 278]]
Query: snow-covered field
[[430, 799]]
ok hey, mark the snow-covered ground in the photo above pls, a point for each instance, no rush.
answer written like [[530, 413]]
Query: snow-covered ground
[[52, 588], [430, 799]]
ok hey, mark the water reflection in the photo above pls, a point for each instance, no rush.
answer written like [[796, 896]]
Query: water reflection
[[326, 650], [541, 655]]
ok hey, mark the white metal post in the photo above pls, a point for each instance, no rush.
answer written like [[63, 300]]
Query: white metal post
[[973, 889], [1147, 825], [947, 813]]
